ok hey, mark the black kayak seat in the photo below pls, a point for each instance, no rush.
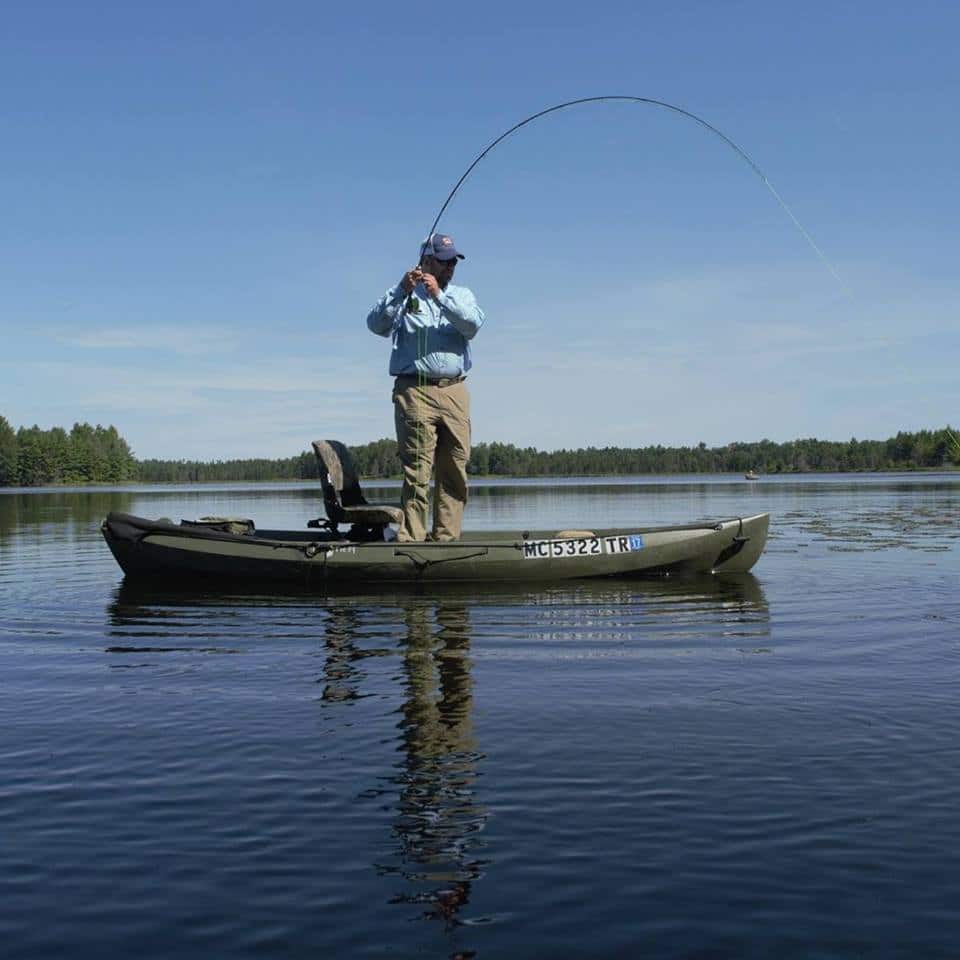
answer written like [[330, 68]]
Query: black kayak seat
[[343, 499]]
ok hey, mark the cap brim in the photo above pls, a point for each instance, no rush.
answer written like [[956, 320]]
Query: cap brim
[[454, 255]]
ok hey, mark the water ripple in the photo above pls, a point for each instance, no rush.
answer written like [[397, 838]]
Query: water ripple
[[748, 766]]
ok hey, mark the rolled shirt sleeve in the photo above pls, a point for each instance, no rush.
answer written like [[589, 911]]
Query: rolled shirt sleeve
[[383, 317]]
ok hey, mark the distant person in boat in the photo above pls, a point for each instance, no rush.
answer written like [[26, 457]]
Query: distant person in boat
[[431, 322]]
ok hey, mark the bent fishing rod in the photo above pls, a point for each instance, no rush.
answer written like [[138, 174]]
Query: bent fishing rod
[[651, 102]]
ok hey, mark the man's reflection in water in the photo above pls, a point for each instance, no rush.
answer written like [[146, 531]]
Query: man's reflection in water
[[439, 819]]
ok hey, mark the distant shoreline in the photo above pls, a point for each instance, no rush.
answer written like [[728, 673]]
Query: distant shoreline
[[97, 456], [497, 478]]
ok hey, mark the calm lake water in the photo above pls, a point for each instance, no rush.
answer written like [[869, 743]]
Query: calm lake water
[[760, 766]]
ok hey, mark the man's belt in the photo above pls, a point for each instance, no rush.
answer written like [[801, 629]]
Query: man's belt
[[411, 379]]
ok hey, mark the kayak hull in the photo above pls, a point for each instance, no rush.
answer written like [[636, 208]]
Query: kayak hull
[[158, 549]]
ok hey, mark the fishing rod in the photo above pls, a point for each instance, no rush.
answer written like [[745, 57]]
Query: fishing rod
[[656, 103]]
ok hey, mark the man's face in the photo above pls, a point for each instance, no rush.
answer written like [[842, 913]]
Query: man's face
[[441, 269]]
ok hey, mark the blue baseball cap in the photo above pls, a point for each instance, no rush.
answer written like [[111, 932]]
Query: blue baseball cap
[[440, 247]]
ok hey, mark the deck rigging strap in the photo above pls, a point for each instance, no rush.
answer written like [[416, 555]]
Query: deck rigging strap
[[421, 562]]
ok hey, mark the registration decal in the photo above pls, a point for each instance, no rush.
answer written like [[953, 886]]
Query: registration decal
[[581, 547], [623, 544]]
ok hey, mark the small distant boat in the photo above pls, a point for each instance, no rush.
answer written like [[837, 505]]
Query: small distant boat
[[750, 475]]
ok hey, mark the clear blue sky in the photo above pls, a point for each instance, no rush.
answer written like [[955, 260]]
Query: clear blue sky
[[200, 201]]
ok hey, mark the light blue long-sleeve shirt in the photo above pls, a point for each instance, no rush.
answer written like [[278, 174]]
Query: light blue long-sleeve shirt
[[433, 340]]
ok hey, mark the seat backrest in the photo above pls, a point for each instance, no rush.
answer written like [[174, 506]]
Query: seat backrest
[[338, 478]]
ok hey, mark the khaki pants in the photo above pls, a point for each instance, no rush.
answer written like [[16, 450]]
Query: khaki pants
[[433, 429]]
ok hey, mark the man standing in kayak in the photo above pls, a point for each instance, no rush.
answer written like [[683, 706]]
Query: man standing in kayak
[[432, 322]]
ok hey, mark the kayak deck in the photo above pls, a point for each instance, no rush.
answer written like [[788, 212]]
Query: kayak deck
[[161, 549]]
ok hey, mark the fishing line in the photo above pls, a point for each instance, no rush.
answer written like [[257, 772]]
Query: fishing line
[[423, 468], [668, 106]]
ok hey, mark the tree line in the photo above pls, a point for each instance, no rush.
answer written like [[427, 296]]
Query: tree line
[[380, 460], [31, 457]]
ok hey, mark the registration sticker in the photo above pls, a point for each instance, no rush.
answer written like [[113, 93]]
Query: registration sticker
[[581, 547], [624, 544]]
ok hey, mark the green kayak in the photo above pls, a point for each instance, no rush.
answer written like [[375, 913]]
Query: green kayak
[[236, 551]]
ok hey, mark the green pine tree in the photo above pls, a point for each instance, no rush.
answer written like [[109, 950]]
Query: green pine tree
[[9, 473]]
